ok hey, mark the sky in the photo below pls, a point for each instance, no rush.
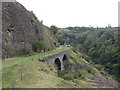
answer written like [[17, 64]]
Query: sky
[[65, 13]]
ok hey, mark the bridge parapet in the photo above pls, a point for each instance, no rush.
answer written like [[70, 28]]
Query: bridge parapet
[[54, 55]]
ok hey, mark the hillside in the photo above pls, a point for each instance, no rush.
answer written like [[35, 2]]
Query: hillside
[[36, 74], [100, 46], [28, 45], [21, 29]]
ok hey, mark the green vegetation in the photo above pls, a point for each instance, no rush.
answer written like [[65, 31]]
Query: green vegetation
[[49, 39], [29, 72], [79, 75], [7, 40], [18, 60], [28, 69], [98, 46], [35, 75], [33, 20], [38, 46], [24, 52], [84, 64], [54, 29], [66, 74]]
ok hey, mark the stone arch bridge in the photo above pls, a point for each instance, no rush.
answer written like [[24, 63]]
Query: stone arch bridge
[[57, 59]]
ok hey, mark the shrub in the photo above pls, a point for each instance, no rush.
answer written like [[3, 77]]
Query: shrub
[[69, 75], [33, 20], [24, 52], [87, 58], [71, 61], [66, 74], [81, 78], [38, 46]]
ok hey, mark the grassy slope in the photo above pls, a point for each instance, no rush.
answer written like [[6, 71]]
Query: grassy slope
[[48, 38], [35, 74], [85, 66], [41, 75], [86, 71], [83, 71], [12, 61]]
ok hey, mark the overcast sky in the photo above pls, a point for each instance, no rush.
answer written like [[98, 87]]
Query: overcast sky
[[64, 13]]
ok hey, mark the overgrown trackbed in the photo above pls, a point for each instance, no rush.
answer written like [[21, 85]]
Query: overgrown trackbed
[[18, 60]]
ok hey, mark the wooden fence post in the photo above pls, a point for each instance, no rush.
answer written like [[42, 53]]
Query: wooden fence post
[[21, 71], [13, 85]]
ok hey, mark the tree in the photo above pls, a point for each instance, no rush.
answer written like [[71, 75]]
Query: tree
[[54, 29]]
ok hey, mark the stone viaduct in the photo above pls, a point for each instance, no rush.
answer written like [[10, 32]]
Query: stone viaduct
[[57, 59]]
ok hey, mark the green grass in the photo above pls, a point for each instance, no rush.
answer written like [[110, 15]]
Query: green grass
[[48, 38], [84, 72], [12, 61], [42, 75], [85, 66], [35, 74], [57, 50]]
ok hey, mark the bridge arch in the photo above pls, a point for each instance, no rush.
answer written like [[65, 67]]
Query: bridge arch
[[65, 58], [57, 63]]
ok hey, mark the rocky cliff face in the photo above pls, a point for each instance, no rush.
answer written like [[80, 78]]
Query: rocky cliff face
[[21, 29]]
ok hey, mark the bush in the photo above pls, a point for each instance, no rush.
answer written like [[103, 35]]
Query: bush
[[69, 75], [54, 29], [33, 20], [24, 52], [98, 66], [82, 78], [87, 58], [71, 61], [38, 46], [66, 74]]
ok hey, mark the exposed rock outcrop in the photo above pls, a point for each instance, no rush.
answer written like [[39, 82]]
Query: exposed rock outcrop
[[21, 29]]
